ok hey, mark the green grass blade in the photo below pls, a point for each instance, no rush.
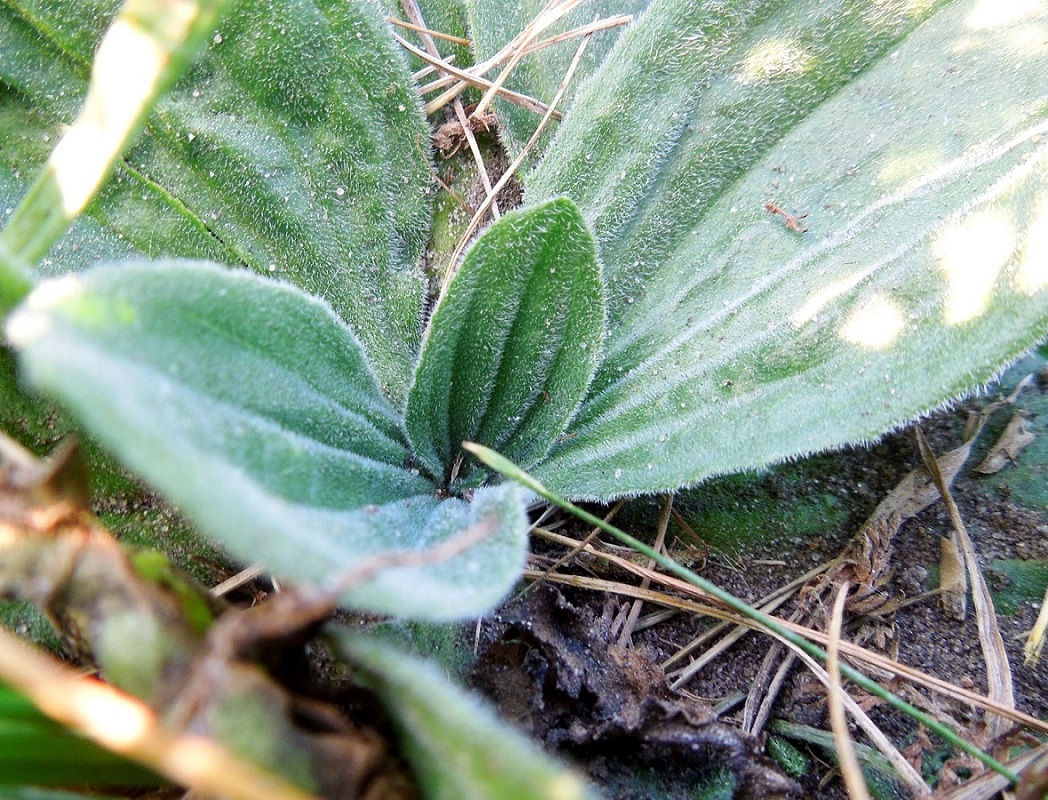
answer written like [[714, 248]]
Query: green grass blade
[[145, 49]]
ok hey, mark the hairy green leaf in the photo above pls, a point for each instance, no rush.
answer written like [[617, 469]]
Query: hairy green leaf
[[295, 146], [458, 747], [248, 371], [250, 405], [513, 343], [915, 136]]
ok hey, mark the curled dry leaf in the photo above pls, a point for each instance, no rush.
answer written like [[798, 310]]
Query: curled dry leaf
[[1016, 437], [867, 560], [952, 578], [553, 671]]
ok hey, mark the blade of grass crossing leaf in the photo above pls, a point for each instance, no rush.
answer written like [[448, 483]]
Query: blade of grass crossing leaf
[[513, 472], [145, 49]]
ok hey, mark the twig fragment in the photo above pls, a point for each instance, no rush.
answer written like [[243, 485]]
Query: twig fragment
[[512, 169], [447, 37], [127, 726], [660, 540]]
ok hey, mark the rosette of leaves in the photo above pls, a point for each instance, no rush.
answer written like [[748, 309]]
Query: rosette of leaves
[[310, 420], [286, 414], [236, 310]]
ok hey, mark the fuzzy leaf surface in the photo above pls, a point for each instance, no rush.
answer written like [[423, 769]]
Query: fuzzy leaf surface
[[251, 406], [457, 745], [514, 342], [915, 136], [295, 146]]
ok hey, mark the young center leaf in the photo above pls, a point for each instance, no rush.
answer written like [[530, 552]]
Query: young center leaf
[[458, 747], [514, 342], [251, 406], [915, 139], [295, 146]]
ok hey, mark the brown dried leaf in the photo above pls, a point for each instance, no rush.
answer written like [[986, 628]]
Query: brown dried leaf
[[1015, 438], [952, 578], [553, 671], [867, 561]]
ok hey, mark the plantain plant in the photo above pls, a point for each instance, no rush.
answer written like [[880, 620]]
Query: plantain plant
[[762, 229]]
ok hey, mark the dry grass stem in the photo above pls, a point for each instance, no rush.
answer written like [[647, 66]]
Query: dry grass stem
[[447, 37], [580, 546], [953, 577], [478, 158], [763, 692], [998, 670], [127, 726], [853, 652], [429, 69], [909, 776], [467, 79], [553, 11], [626, 634], [521, 45], [413, 11], [582, 30], [1035, 642], [512, 169], [847, 760], [243, 577], [989, 785], [368, 568], [767, 604]]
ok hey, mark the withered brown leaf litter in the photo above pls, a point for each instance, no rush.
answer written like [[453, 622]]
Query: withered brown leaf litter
[[553, 672]]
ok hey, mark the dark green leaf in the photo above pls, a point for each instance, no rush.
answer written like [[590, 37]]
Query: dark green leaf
[[513, 344]]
